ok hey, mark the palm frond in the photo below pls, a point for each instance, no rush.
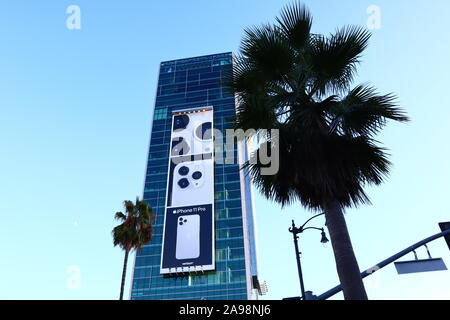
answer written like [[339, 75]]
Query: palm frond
[[364, 112], [295, 22], [334, 59], [120, 216], [245, 77], [129, 206], [371, 160], [316, 168], [267, 50], [256, 112]]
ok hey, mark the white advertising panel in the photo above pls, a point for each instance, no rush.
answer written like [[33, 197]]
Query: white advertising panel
[[188, 236]]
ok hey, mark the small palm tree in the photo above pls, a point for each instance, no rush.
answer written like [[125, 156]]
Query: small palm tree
[[134, 232], [290, 79]]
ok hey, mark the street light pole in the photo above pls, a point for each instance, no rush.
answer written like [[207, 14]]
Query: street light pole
[[295, 231]]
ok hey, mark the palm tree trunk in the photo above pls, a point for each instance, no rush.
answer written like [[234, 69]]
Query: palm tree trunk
[[124, 273], [346, 264]]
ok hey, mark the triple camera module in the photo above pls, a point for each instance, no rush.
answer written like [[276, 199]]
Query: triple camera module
[[184, 171], [182, 221], [192, 182], [191, 135]]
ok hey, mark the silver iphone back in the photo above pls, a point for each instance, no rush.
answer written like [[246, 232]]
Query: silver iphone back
[[188, 237]]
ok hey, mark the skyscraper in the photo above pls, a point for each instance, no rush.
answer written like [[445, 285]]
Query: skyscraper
[[197, 84]]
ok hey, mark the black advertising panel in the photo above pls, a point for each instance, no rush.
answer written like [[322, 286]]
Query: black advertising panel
[[188, 236]]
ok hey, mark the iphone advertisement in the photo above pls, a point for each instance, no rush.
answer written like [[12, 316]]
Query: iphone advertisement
[[188, 238]]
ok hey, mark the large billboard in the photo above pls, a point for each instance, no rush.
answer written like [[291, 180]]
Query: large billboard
[[188, 237]]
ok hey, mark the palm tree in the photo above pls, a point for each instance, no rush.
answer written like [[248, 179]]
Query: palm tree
[[134, 232], [290, 79]]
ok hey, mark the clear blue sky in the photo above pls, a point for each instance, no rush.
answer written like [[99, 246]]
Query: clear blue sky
[[75, 114]]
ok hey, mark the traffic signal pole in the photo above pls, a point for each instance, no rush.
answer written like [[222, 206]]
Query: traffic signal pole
[[384, 263]]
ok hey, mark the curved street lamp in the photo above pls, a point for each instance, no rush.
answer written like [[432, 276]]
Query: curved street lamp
[[295, 231]]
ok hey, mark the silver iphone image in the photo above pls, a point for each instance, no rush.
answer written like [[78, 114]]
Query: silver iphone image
[[188, 237]]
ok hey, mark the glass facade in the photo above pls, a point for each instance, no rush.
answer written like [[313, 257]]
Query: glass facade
[[182, 84]]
